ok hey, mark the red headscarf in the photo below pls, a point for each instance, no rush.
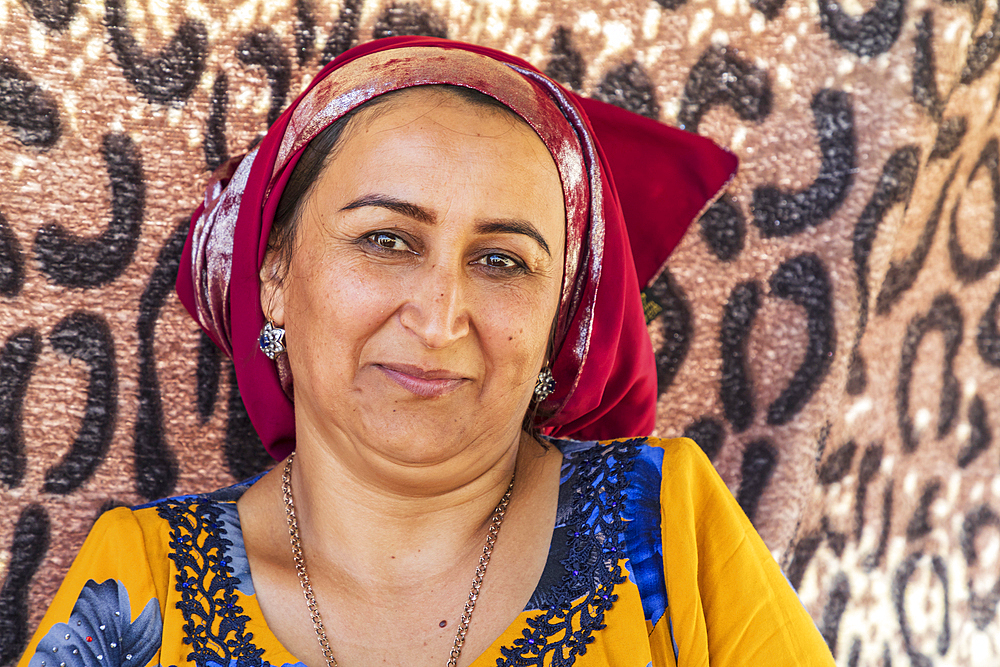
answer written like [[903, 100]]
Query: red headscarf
[[603, 361]]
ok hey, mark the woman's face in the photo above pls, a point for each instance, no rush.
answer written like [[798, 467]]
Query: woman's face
[[423, 283]]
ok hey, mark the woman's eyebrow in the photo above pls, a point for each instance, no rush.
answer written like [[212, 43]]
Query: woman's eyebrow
[[513, 226], [396, 205], [411, 210]]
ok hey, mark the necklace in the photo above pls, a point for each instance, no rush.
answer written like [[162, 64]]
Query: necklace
[[307, 590]]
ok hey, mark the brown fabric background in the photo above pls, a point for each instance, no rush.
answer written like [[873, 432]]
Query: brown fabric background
[[841, 367]]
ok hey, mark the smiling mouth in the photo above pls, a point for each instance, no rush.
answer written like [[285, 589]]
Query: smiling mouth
[[423, 383]]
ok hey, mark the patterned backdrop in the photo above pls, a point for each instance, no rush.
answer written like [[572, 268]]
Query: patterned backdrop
[[828, 331]]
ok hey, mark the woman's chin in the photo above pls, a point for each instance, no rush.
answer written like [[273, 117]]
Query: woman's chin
[[399, 442]]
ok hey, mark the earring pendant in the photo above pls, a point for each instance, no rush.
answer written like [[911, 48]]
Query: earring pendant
[[544, 385], [272, 341]]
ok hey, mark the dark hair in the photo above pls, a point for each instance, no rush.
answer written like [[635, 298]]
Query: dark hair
[[322, 149]]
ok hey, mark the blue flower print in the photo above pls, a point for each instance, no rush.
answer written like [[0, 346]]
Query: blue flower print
[[642, 531], [229, 519], [99, 632]]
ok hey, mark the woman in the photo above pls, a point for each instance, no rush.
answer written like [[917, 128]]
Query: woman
[[427, 252]]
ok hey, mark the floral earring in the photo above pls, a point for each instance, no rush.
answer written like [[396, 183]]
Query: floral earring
[[545, 384], [272, 341]]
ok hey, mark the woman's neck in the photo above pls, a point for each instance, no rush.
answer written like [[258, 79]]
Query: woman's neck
[[381, 530]]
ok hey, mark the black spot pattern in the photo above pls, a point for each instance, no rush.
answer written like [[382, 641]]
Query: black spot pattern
[[968, 268], [779, 213], [902, 275], [169, 76], [949, 136], [833, 611], [244, 453], [868, 35], [836, 539], [17, 363], [27, 549], [675, 325], [736, 386], [344, 33], [854, 656], [86, 336], [409, 18], [983, 607], [874, 559], [723, 228], [944, 316], [769, 8], [988, 338], [871, 461], [11, 261], [214, 143], [894, 186], [980, 433], [155, 465], [305, 30], [76, 262], [925, 89], [263, 48], [721, 77], [53, 14], [29, 111], [759, 462], [802, 555], [982, 52], [803, 281], [566, 64], [900, 581], [628, 86], [207, 374], [708, 433], [670, 4], [919, 524], [838, 463]]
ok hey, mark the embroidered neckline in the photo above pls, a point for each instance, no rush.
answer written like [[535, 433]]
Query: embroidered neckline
[[592, 569], [215, 625], [575, 604]]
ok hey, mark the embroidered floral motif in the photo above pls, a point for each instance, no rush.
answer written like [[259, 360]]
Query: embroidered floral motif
[[215, 625], [100, 631], [641, 513], [596, 542]]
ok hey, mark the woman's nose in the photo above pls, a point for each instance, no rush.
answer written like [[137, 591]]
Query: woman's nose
[[436, 311]]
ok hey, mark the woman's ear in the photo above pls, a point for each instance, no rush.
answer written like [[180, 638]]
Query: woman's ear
[[272, 290]]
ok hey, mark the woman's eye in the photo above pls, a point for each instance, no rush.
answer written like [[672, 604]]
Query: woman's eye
[[386, 241], [496, 260]]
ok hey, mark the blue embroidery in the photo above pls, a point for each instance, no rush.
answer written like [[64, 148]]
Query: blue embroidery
[[100, 632], [207, 587], [597, 475], [642, 532]]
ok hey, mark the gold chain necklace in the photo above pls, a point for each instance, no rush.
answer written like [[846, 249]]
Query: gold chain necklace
[[307, 591]]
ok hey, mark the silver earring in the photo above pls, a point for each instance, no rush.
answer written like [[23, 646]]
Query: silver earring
[[544, 385], [272, 340]]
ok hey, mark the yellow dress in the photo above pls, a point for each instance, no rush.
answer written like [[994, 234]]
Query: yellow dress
[[652, 563]]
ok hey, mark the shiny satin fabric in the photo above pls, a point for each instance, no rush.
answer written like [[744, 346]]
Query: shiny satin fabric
[[602, 361]]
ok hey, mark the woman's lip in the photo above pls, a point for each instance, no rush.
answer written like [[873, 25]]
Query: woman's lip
[[422, 382]]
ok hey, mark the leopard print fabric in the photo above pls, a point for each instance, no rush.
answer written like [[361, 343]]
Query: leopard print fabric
[[828, 331]]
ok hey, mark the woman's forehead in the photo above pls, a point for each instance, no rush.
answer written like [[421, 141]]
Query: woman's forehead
[[429, 145]]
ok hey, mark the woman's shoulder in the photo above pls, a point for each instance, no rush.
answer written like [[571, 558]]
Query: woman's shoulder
[[669, 456], [227, 494], [160, 525]]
